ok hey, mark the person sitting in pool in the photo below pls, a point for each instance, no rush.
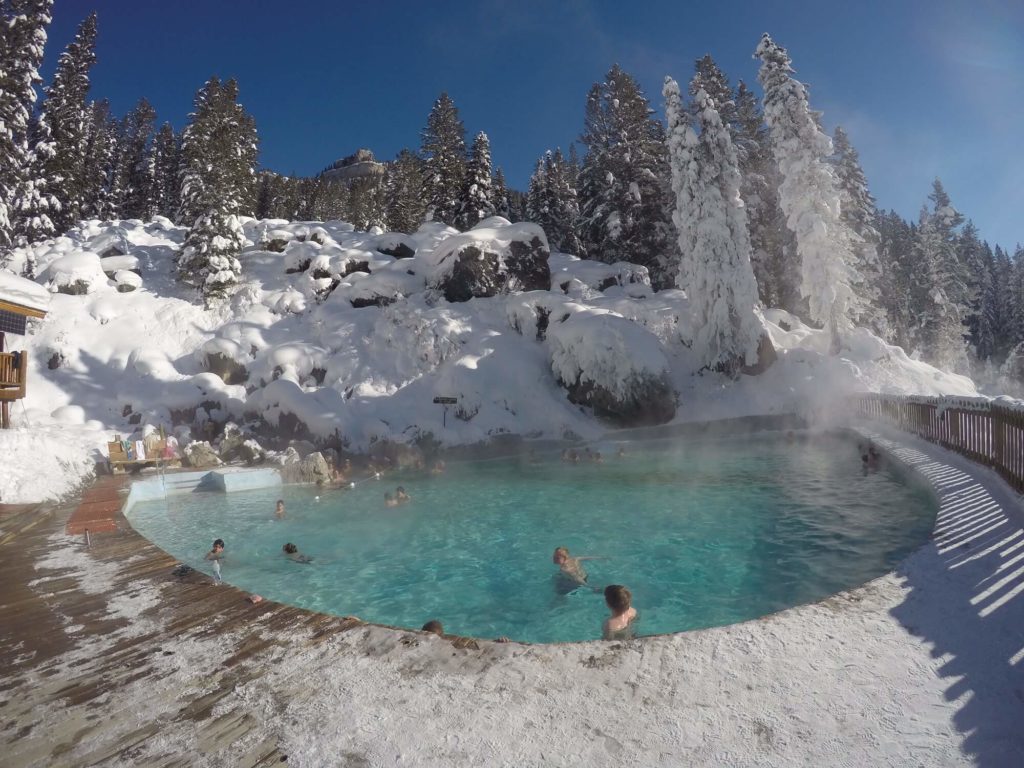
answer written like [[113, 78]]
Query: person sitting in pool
[[438, 468], [390, 501], [401, 495], [619, 626], [293, 554], [571, 574], [279, 509], [433, 626], [596, 457]]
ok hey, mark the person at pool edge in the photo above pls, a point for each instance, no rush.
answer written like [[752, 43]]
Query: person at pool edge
[[279, 509], [401, 495], [571, 573], [619, 626], [216, 554], [293, 554]]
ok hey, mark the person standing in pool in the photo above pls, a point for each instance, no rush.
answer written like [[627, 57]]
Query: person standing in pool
[[570, 573], [279, 509], [216, 554], [620, 625]]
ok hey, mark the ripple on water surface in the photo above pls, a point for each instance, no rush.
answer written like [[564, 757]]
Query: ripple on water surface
[[703, 533]]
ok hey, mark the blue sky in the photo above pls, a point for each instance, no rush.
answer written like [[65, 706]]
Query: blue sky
[[924, 88]]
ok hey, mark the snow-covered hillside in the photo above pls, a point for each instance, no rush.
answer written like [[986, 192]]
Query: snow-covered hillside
[[334, 338]]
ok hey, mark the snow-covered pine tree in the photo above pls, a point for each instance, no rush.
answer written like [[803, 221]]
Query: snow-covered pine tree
[[859, 212], [444, 153], [535, 199], [404, 208], [68, 117], [1015, 297], [501, 207], [477, 201], [714, 244], [985, 327], [137, 170], [367, 203], [551, 203], [809, 195], [713, 81], [942, 331], [24, 24], [773, 249], [900, 276], [37, 204], [218, 154], [1004, 306], [99, 164], [167, 171], [623, 183], [971, 253]]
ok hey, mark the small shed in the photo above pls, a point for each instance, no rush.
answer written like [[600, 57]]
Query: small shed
[[20, 299]]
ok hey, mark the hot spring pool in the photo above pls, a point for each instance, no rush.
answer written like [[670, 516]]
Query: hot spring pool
[[703, 533]]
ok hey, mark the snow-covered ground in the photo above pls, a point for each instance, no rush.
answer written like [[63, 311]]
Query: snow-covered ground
[[355, 344]]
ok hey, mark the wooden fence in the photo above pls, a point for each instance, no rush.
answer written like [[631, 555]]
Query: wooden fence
[[987, 432]]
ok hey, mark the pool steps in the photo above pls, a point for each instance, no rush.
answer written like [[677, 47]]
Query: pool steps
[[224, 480]]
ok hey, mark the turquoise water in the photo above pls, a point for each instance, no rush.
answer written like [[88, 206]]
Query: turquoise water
[[702, 533]]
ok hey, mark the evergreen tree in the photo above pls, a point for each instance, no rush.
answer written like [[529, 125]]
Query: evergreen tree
[[983, 320], [809, 195], [136, 168], [218, 157], [367, 203], [37, 205], [773, 249], [858, 212], [942, 332], [713, 81], [444, 153], [404, 208], [98, 201], [477, 201], [24, 24], [1005, 308], [501, 205], [714, 244], [900, 277], [623, 183], [517, 205], [167, 172], [551, 203], [68, 117]]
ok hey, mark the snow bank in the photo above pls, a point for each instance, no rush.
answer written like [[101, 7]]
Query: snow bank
[[26, 293]]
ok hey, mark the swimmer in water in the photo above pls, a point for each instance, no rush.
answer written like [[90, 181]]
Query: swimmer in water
[[571, 573], [390, 501], [433, 626], [438, 468], [279, 509], [293, 554], [619, 626], [216, 554], [401, 495]]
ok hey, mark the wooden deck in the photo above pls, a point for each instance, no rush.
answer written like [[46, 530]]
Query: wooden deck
[[63, 651]]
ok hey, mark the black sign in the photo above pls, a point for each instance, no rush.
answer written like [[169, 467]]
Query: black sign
[[446, 400]]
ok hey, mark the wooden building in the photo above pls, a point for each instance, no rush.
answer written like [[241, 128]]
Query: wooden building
[[20, 299]]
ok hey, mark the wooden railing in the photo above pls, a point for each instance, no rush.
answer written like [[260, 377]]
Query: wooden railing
[[986, 431], [11, 370]]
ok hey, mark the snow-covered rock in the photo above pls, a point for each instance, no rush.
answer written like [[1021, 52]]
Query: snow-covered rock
[[312, 469], [492, 258], [200, 455], [75, 274], [613, 366]]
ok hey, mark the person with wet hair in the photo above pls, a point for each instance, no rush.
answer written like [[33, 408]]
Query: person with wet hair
[[216, 554], [401, 495], [620, 625], [434, 626], [279, 509], [292, 553], [570, 573]]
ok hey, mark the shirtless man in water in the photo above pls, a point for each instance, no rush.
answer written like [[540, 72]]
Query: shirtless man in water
[[570, 570]]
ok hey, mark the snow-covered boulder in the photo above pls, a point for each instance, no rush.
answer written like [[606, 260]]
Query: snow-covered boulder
[[127, 281], [614, 366], [237, 446], [200, 455], [490, 260], [595, 274], [76, 274], [113, 264], [396, 244], [225, 358]]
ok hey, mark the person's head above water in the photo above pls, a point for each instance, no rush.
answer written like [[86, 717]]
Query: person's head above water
[[280, 504], [290, 549], [218, 544], [618, 598], [433, 626], [560, 556]]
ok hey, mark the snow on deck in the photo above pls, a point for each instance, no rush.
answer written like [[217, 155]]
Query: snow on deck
[[924, 666]]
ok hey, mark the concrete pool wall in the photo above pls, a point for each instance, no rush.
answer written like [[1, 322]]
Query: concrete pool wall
[[223, 480]]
